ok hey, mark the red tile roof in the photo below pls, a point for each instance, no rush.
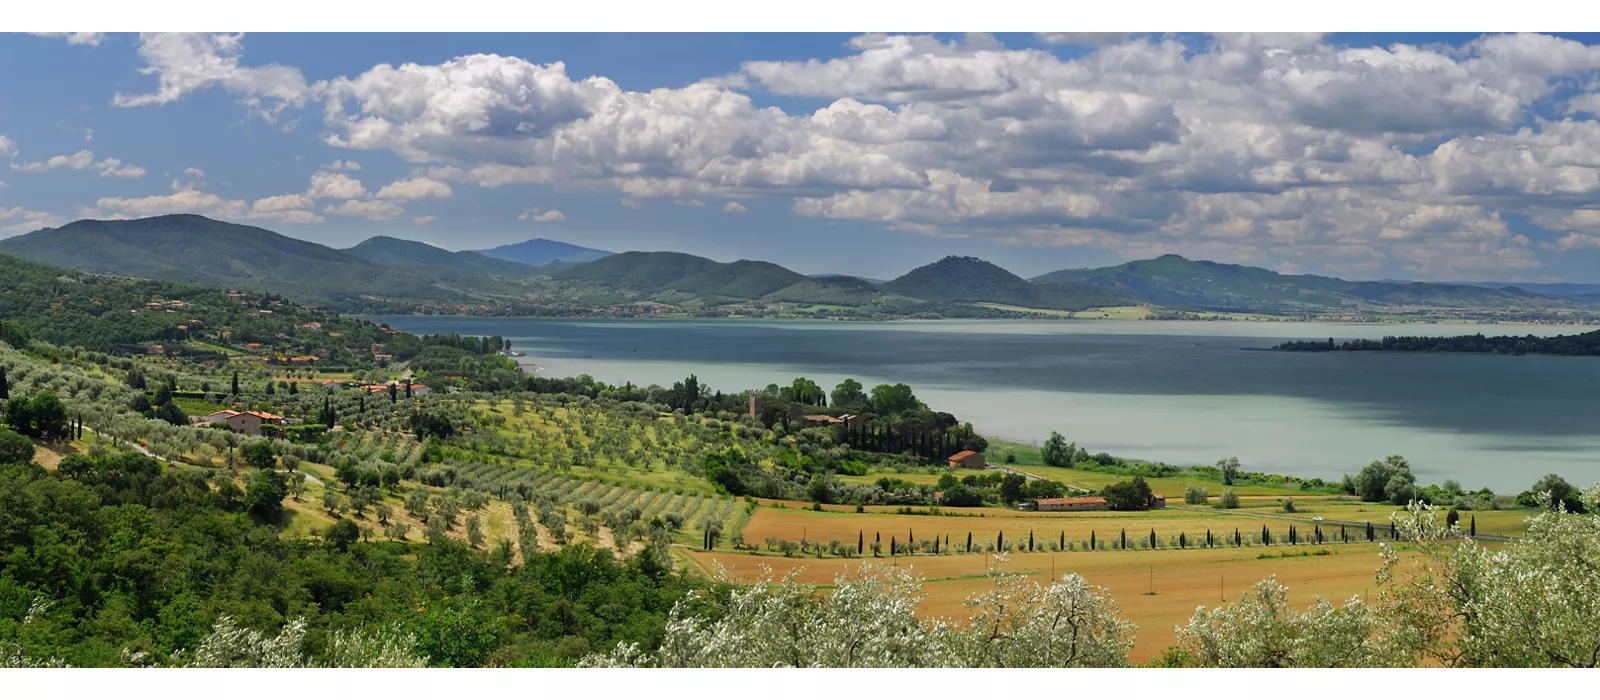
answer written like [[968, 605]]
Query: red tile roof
[[962, 455]]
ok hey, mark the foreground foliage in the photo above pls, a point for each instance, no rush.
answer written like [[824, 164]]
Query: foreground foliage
[[868, 620]]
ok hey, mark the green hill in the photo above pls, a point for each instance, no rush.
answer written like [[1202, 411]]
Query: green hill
[[743, 279], [970, 280], [114, 314], [638, 271], [1172, 280], [396, 252], [197, 250]]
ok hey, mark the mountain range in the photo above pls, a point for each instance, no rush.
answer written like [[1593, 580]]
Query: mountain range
[[394, 275]]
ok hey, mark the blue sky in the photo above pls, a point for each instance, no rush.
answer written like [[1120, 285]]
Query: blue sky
[[1365, 156]]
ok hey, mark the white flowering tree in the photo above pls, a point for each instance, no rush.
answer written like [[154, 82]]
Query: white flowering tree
[[1021, 623], [1531, 603], [868, 620], [1261, 630]]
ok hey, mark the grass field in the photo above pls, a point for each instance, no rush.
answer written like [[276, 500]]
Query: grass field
[[1181, 580]]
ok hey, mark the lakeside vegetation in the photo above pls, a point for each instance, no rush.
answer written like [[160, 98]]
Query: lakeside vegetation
[[1577, 344]]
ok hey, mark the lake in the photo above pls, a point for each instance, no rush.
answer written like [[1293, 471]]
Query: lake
[[1182, 392]]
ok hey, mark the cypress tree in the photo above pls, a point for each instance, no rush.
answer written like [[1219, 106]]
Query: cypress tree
[[1182, 544], [1208, 537], [1092, 543], [1152, 538], [1124, 539], [1238, 539], [999, 540], [861, 541], [408, 389], [969, 541], [1474, 531], [1342, 536], [5, 385], [892, 546], [1394, 534], [1030, 540], [235, 391], [1369, 532], [1063, 545]]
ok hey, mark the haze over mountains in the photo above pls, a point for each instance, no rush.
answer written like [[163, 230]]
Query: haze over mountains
[[396, 275], [540, 251]]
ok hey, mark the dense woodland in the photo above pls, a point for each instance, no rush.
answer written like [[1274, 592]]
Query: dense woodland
[[1578, 344]]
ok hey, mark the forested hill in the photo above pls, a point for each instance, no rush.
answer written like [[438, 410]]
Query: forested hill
[[970, 280], [1175, 281], [113, 314], [198, 250], [1579, 344], [396, 252]]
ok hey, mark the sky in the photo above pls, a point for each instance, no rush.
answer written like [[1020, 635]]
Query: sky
[[1366, 156]]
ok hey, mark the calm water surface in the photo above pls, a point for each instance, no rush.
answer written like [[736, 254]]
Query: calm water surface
[[1181, 392]]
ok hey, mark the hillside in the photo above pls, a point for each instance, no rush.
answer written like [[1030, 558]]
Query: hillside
[[122, 315], [540, 251], [639, 271], [197, 250], [970, 280], [1175, 281], [396, 252]]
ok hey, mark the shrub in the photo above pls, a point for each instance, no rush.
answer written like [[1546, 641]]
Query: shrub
[[1196, 495], [1229, 499]]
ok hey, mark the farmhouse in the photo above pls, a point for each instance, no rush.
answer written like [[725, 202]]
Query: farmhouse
[[1078, 503], [156, 350], [824, 420], [853, 421], [1158, 501], [968, 459], [247, 422]]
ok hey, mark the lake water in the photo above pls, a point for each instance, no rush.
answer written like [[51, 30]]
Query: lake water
[[1174, 391]]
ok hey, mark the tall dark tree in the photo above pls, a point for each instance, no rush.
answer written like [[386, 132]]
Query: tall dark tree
[[5, 385], [235, 391]]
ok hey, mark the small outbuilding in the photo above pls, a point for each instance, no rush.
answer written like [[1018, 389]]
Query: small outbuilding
[[967, 459]]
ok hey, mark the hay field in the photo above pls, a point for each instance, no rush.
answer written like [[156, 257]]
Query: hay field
[[1181, 580]]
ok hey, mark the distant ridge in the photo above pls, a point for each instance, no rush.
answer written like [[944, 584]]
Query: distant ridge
[[542, 251], [196, 250], [970, 280], [396, 252], [1175, 281]]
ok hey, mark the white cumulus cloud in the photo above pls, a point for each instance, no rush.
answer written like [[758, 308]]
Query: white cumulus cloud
[[82, 160], [370, 209], [536, 215], [414, 189], [735, 208]]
